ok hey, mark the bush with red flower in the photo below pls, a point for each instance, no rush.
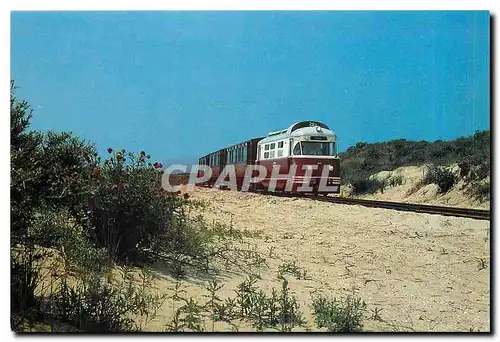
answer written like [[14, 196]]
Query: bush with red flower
[[129, 213]]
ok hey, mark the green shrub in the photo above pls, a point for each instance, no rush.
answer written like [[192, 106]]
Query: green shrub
[[95, 305], [279, 310], [338, 314], [480, 190], [364, 159], [25, 277], [368, 186], [291, 268], [59, 231], [444, 178], [129, 213], [396, 180], [66, 203]]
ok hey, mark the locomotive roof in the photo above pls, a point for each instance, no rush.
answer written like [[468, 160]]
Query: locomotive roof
[[299, 129]]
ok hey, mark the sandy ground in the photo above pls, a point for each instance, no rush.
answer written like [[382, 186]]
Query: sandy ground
[[423, 271], [428, 194]]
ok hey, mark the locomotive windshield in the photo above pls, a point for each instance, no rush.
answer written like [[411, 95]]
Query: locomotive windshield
[[309, 148]]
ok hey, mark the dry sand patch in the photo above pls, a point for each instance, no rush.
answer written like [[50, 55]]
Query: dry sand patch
[[422, 270]]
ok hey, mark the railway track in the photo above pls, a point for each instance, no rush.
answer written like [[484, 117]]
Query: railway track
[[480, 214]]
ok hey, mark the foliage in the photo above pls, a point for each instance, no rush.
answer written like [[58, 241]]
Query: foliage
[[339, 314], [370, 186], [396, 180], [444, 178], [129, 212], [25, 278], [291, 268], [279, 311], [57, 230], [88, 213], [95, 305], [471, 153]]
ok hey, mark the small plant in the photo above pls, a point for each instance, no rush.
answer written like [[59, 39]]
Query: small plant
[[483, 264], [213, 300], [339, 314], [290, 267], [396, 180], [271, 250], [376, 314]]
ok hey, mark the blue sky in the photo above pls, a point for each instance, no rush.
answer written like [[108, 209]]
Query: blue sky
[[181, 84]]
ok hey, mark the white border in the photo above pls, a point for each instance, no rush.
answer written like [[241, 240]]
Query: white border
[[194, 5]]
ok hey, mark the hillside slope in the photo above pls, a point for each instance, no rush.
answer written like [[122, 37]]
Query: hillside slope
[[364, 167], [412, 191]]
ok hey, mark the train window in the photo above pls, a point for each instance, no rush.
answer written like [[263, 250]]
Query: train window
[[271, 154], [297, 149], [273, 145], [318, 148], [266, 147], [280, 144], [266, 155], [245, 154], [280, 153], [333, 149]]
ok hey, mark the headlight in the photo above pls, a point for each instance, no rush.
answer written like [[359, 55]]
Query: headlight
[[330, 168]]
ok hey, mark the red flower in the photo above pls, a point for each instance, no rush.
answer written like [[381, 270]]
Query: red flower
[[109, 150], [122, 186], [157, 165]]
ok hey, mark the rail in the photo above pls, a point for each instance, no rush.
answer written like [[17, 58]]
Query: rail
[[480, 214]]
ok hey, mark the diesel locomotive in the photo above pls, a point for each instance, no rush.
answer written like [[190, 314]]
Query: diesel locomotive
[[305, 152]]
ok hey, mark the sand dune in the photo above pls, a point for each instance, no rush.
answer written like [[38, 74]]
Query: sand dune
[[422, 270]]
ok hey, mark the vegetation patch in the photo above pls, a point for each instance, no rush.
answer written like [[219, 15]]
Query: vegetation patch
[[471, 153], [444, 178]]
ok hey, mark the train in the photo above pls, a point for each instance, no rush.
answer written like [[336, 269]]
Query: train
[[305, 154]]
